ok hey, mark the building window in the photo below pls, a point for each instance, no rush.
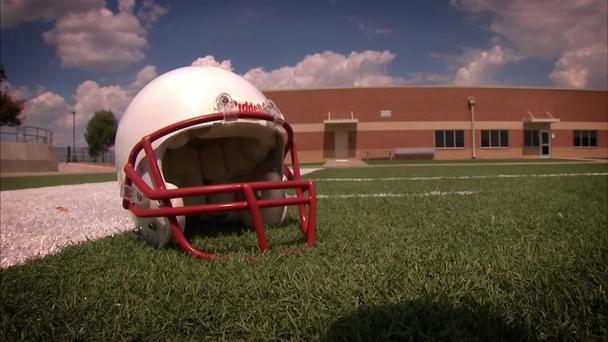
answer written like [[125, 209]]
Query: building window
[[531, 138], [585, 138], [449, 138], [495, 138]]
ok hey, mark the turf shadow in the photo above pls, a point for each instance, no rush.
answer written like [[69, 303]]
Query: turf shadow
[[216, 227], [201, 231], [428, 318]]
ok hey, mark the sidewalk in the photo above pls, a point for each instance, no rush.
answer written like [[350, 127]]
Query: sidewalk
[[345, 163]]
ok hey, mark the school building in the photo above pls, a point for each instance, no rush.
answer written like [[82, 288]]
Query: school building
[[446, 122]]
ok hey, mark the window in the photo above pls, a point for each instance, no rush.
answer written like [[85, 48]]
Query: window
[[585, 138], [531, 138], [495, 138], [449, 138]]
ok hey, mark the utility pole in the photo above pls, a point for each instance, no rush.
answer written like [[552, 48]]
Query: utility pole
[[74, 133], [472, 108]]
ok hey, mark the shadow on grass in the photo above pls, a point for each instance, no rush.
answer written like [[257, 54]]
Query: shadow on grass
[[215, 236], [208, 228], [428, 318]]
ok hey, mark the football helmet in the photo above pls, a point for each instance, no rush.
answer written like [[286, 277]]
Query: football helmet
[[202, 143]]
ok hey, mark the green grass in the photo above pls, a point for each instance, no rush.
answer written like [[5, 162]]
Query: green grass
[[519, 259], [469, 161], [13, 183], [457, 170]]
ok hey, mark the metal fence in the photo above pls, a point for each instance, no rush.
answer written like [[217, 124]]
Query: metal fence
[[81, 154], [26, 134]]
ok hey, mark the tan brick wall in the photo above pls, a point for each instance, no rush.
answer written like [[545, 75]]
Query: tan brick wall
[[308, 156], [579, 152], [498, 153], [456, 153]]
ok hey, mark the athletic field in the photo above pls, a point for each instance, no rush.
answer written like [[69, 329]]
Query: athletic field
[[477, 252]]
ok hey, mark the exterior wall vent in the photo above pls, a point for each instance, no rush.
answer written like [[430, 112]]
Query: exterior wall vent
[[385, 113]]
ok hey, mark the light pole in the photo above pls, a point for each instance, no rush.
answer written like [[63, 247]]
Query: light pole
[[472, 108], [73, 134]]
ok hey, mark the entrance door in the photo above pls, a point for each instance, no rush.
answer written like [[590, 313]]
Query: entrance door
[[545, 143], [341, 143]]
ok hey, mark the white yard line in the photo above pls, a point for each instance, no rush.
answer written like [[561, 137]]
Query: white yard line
[[392, 195], [458, 177], [42, 221]]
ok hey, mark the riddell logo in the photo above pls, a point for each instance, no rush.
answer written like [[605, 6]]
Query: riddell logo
[[250, 107], [224, 103]]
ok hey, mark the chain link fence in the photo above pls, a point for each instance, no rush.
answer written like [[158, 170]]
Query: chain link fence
[[26, 134], [81, 154], [37, 135]]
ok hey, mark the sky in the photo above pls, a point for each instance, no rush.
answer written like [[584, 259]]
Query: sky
[[87, 55]]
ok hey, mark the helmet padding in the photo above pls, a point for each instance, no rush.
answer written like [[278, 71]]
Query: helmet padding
[[211, 159]]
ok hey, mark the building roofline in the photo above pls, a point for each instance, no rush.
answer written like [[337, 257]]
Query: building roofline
[[441, 86]]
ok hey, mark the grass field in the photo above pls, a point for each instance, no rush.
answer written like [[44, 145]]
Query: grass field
[[22, 182], [469, 161], [403, 253]]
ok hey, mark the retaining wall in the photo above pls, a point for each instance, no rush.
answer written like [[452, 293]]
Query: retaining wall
[[23, 157]]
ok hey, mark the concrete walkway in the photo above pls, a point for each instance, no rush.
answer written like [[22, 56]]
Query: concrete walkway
[[345, 163]]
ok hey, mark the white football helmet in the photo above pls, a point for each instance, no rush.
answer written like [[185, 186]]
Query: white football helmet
[[200, 142]]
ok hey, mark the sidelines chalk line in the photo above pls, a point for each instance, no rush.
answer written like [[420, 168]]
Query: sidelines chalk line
[[459, 177], [390, 194]]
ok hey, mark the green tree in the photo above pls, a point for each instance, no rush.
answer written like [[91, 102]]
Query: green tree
[[10, 109], [100, 132]]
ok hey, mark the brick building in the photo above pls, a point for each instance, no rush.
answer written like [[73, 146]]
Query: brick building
[[437, 122]]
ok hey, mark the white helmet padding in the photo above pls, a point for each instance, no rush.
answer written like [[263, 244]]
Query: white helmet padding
[[226, 153]]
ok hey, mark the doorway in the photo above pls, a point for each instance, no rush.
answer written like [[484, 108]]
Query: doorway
[[341, 144], [545, 143]]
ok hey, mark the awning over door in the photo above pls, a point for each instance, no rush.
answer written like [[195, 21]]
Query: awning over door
[[545, 117]]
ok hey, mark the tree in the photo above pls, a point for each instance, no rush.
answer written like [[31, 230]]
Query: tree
[[100, 132], [10, 109]]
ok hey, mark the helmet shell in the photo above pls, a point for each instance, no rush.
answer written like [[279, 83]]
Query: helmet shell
[[178, 95]]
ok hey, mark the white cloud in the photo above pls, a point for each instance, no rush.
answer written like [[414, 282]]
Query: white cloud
[[98, 40], [145, 75], [92, 37], [578, 68], [210, 60], [566, 30], [86, 33], [326, 69], [329, 69], [150, 12], [14, 12], [90, 97], [480, 66], [51, 111]]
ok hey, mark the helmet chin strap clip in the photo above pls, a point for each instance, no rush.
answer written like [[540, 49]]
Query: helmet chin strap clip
[[226, 105]]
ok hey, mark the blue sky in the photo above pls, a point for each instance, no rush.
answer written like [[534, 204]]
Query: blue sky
[[83, 55]]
